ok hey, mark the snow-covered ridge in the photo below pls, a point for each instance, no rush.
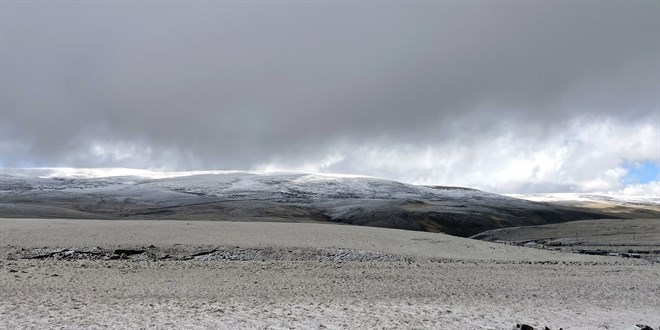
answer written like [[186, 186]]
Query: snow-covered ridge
[[226, 184], [96, 173], [590, 198], [250, 196]]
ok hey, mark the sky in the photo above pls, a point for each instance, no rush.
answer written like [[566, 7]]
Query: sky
[[505, 96]]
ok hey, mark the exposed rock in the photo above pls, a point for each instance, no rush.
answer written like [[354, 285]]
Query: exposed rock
[[233, 253], [644, 327], [128, 252]]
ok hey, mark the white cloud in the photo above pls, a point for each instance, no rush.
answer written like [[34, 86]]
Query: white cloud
[[647, 189], [585, 157]]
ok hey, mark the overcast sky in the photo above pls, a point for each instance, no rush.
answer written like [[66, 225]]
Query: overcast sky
[[506, 96]]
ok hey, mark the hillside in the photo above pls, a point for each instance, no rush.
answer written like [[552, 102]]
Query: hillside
[[641, 207], [285, 197]]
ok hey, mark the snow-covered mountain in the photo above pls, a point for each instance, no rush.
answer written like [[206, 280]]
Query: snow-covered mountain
[[247, 196], [591, 198]]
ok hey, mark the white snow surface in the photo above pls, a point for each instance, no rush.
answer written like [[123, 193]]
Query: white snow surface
[[447, 282]]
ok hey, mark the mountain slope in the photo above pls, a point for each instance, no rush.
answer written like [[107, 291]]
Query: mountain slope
[[292, 197], [637, 207]]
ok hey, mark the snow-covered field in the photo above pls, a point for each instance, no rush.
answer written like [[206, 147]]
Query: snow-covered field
[[403, 279]]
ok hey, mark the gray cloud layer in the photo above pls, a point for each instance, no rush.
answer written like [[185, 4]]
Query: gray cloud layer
[[226, 85]]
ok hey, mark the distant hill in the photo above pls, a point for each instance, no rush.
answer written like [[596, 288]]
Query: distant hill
[[614, 206], [290, 197]]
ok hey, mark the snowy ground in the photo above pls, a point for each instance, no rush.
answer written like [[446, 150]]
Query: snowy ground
[[438, 281]]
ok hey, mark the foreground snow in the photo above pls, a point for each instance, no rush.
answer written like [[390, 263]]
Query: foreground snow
[[443, 282]]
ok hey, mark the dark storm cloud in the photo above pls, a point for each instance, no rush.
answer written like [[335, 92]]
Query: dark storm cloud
[[239, 85]]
